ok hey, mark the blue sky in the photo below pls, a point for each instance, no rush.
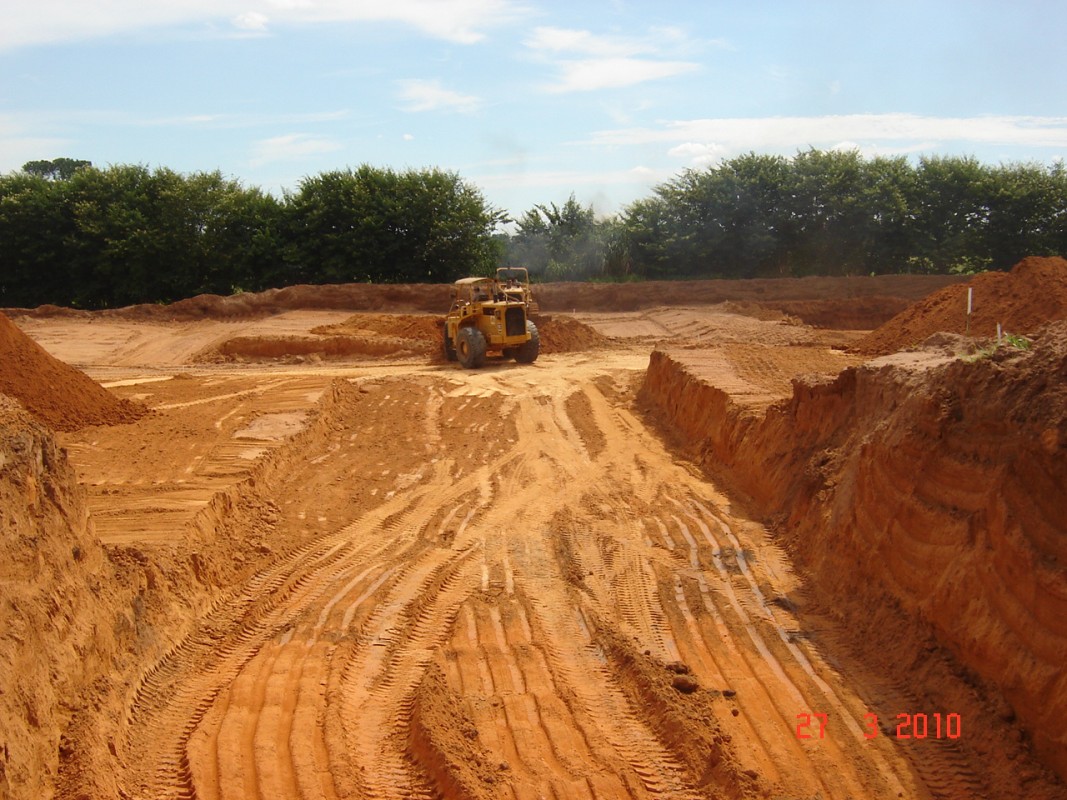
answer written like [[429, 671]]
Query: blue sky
[[527, 100]]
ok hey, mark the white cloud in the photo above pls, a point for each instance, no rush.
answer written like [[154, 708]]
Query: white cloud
[[291, 147], [699, 154], [614, 73], [430, 95], [407, 137], [587, 61], [890, 132], [251, 21], [567, 40], [556, 178], [47, 21]]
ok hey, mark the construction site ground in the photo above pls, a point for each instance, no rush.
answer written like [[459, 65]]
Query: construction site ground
[[502, 583]]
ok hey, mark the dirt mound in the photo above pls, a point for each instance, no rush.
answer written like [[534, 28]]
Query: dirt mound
[[1032, 294], [388, 335], [822, 301], [562, 334], [54, 392], [421, 327], [928, 505], [311, 348]]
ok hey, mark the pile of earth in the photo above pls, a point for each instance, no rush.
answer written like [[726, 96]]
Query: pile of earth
[[55, 393], [564, 334], [1032, 294], [831, 302], [925, 499], [421, 327], [388, 336]]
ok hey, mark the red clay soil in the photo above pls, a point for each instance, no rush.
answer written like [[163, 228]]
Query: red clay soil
[[821, 301], [927, 505], [1032, 294], [389, 336], [563, 334], [302, 348], [422, 327], [54, 392], [54, 577]]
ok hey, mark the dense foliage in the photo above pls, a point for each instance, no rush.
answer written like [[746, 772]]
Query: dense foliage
[[95, 238], [378, 225], [816, 213], [73, 234]]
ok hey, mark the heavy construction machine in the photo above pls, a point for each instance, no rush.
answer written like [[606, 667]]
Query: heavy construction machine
[[488, 316]]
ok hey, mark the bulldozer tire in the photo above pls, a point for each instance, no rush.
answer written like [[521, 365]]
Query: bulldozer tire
[[470, 347], [450, 348], [527, 352]]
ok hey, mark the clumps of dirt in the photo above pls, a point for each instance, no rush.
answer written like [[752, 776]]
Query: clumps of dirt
[[57, 394], [684, 719], [1031, 295], [929, 491], [444, 741], [564, 334], [684, 680]]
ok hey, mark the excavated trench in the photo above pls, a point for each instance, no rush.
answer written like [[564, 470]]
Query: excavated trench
[[582, 578], [924, 500]]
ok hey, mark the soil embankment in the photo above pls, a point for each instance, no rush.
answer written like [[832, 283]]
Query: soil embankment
[[926, 502], [53, 576], [859, 303], [55, 393], [1021, 301]]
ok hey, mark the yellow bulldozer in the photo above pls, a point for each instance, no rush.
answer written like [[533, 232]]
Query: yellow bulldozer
[[487, 316]]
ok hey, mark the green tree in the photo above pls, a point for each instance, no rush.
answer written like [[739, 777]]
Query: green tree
[[128, 235], [560, 242], [950, 214], [60, 169], [36, 227], [375, 224], [1027, 206]]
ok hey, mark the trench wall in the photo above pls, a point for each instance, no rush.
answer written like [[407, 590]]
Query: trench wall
[[938, 493]]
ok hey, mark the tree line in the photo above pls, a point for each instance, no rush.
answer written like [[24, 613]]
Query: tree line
[[98, 238], [817, 213], [76, 235]]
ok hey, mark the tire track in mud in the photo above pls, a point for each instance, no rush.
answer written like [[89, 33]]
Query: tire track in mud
[[527, 562], [742, 611]]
